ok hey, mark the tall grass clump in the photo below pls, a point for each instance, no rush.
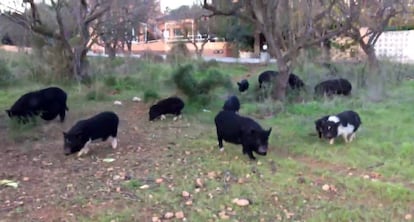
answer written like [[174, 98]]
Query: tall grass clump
[[6, 76], [199, 91]]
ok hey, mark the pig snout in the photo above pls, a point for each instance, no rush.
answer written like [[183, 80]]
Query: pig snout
[[262, 150], [67, 150]]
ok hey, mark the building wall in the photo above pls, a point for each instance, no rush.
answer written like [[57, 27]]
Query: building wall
[[217, 49], [396, 46]]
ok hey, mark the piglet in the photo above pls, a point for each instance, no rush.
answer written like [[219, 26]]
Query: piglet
[[97, 128]]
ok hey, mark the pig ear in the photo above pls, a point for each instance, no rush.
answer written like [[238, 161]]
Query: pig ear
[[269, 131], [238, 83], [64, 134], [8, 112]]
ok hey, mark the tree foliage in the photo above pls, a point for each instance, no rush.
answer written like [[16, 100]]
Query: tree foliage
[[288, 27], [124, 22]]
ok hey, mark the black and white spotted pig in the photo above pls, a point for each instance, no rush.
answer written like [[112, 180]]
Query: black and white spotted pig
[[343, 124]]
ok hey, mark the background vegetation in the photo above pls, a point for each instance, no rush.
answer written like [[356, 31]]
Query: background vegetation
[[301, 179]]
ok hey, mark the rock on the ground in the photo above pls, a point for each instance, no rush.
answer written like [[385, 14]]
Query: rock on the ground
[[241, 202], [168, 215], [179, 215]]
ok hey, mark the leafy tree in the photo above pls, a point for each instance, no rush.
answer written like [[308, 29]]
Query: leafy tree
[[66, 25], [288, 27], [121, 24]]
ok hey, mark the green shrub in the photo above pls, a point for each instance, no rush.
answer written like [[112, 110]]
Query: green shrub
[[199, 91], [150, 95], [204, 65], [98, 92], [185, 81], [150, 56], [110, 81]]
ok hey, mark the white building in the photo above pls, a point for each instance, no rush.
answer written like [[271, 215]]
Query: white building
[[396, 46]]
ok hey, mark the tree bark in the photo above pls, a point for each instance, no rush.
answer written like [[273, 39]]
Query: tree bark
[[256, 46], [373, 80], [326, 50], [279, 87], [110, 50], [80, 63]]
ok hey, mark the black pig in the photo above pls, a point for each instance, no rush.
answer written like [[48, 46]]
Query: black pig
[[266, 76], [294, 82], [237, 129], [243, 85], [171, 105], [99, 127], [48, 103], [333, 86], [232, 104]]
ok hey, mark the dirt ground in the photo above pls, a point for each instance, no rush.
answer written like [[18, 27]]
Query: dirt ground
[[55, 187]]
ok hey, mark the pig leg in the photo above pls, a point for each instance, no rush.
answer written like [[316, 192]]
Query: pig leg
[[248, 151], [345, 136], [352, 137], [220, 143], [250, 154], [85, 149], [114, 142], [331, 141], [62, 115]]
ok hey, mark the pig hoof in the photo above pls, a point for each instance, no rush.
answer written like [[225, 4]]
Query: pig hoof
[[221, 149], [114, 143], [163, 117], [331, 141]]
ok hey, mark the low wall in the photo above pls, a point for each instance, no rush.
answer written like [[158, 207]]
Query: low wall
[[217, 49]]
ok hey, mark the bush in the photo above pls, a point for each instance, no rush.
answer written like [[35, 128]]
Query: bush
[[150, 95], [213, 80], [150, 56], [199, 92], [205, 65], [124, 83], [185, 81], [98, 92], [6, 76]]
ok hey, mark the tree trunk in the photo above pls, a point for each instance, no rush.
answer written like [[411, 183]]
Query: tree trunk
[[129, 46], [326, 50], [373, 80], [110, 51], [279, 88], [256, 46], [80, 63]]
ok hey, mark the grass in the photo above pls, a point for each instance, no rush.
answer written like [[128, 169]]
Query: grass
[[285, 185]]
